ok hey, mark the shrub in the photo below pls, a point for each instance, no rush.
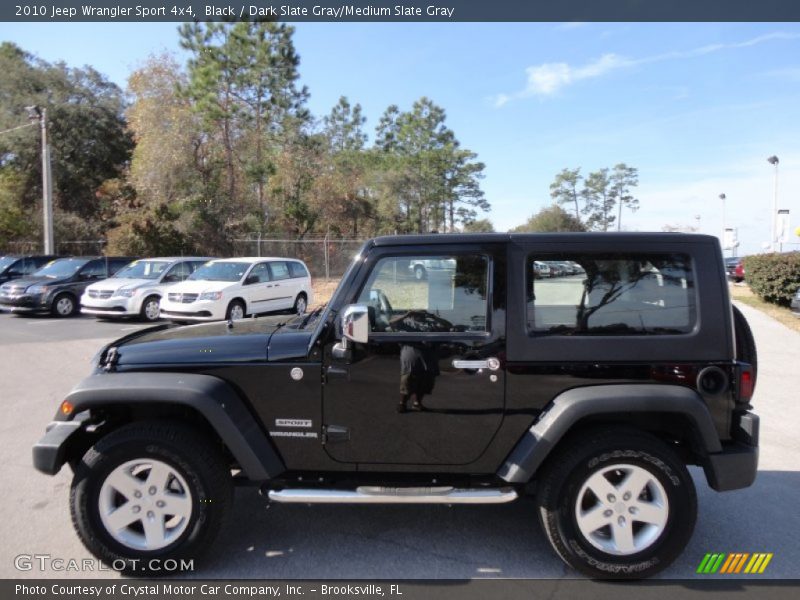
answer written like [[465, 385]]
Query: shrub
[[773, 277]]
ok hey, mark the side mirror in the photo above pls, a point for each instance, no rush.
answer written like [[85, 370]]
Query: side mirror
[[355, 323], [251, 279]]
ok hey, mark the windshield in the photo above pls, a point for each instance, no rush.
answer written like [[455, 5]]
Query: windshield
[[143, 269], [61, 268], [5, 261], [220, 271]]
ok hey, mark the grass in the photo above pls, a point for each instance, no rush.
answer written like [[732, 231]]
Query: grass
[[741, 292]]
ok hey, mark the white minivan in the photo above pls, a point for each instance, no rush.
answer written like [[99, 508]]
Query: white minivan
[[232, 288], [137, 290]]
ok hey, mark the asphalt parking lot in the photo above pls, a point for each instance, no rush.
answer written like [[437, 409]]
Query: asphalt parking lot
[[42, 358]]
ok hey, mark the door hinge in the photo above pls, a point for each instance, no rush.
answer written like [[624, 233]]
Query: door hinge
[[335, 433]]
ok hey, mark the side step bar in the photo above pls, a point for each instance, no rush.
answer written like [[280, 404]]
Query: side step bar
[[395, 495]]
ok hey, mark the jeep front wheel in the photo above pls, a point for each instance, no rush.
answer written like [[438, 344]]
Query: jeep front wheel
[[149, 492], [617, 504]]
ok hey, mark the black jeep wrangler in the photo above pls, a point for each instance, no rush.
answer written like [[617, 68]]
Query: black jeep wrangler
[[592, 390]]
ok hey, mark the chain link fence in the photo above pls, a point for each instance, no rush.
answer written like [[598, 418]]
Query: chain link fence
[[66, 248], [325, 257]]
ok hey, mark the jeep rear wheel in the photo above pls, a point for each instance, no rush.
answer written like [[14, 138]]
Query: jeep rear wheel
[[617, 504], [149, 491]]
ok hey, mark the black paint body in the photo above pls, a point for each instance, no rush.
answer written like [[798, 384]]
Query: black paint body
[[338, 419]]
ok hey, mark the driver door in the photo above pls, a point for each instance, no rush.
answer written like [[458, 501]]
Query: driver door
[[428, 386]]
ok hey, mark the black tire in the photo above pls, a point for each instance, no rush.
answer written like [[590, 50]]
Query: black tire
[[182, 449], [231, 306], [144, 310], [61, 300], [582, 456], [745, 344], [301, 299], [420, 274]]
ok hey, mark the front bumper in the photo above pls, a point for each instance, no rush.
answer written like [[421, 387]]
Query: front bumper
[[25, 302], [50, 452], [112, 307], [736, 466], [200, 311]]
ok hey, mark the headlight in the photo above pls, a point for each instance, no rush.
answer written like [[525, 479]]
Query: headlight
[[210, 296], [125, 293], [38, 289]]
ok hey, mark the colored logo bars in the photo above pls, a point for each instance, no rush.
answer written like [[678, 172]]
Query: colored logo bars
[[735, 562]]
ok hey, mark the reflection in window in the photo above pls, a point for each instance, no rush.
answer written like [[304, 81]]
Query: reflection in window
[[610, 294], [427, 294]]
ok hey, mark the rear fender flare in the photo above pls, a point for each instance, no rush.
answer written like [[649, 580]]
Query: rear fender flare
[[578, 403]]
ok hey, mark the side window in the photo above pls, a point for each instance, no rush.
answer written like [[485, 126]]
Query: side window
[[610, 294], [24, 266], [261, 270], [279, 270], [115, 264], [95, 269], [297, 270], [178, 272], [450, 297]]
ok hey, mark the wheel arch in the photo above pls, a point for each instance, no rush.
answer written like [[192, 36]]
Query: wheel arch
[[675, 414], [208, 403]]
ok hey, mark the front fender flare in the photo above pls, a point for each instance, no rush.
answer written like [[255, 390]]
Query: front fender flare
[[573, 405], [210, 396]]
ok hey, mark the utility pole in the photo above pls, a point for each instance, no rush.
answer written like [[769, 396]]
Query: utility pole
[[773, 160], [36, 113]]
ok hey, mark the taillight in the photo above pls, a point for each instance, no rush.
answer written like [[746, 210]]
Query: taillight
[[746, 382]]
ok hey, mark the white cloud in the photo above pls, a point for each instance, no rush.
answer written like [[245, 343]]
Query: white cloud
[[549, 78]]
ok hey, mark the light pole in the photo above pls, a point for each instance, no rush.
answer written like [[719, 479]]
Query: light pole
[[36, 113], [773, 160], [722, 239]]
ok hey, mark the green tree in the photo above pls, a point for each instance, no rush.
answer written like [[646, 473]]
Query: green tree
[[550, 219], [479, 226], [429, 182], [87, 136], [243, 82], [564, 189], [599, 200], [623, 178]]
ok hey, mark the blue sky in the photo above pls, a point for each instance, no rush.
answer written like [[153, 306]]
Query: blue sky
[[696, 107]]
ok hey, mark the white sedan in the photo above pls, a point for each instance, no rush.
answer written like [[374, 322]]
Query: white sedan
[[233, 288]]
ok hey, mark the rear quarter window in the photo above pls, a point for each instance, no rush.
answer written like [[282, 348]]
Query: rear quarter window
[[610, 295], [298, 269]]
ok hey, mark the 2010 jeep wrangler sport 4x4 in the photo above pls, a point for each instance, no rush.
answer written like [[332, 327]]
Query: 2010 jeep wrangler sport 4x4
[[591, 390]]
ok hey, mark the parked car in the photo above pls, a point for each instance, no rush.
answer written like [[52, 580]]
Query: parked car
[[57, 287], [137, 289], [16, 266], [591, 394], [541, 270], [735, 269], [421, 267], [796, 303], [233, 288]]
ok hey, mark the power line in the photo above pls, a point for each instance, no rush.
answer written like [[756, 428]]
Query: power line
[[18, 127]]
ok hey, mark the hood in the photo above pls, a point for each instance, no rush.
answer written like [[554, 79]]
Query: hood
[[29, 281], [246, 341], [200, 286], [114, 284]]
